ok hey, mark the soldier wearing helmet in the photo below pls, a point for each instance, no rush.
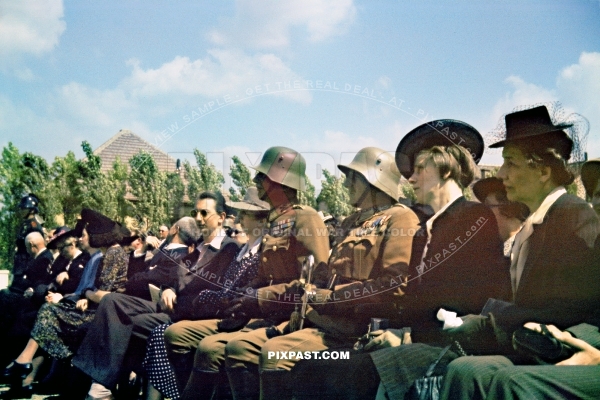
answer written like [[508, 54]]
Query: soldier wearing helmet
[[367, 270], [294, 232]]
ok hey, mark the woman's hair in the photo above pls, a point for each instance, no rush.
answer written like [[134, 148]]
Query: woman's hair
[[549, 151], [453, 162]]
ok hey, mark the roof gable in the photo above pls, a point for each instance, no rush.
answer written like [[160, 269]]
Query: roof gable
[[125, 144]]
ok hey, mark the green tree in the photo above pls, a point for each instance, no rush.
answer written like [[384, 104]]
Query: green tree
[[307, 196], [147, 186], [202, 177], [241, 178], [335, 195], [20, 174]]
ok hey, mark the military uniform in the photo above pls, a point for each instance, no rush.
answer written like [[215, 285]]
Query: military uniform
[[295, 231], [368, 271]]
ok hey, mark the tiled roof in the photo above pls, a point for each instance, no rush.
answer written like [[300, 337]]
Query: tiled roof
[[125, 144]]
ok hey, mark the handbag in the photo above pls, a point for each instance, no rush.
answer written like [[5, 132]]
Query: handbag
[[429, 387], [544, 347]]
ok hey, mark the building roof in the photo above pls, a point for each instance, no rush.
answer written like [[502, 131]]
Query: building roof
[[125, 144]]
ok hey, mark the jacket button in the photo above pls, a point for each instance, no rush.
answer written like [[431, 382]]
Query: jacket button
[[264, 240], [264, 259], [274, 248]]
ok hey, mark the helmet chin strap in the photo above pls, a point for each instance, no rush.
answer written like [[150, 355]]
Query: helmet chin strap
[[363, 196]]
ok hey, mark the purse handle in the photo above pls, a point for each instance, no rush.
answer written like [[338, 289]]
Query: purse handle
[[436, 362]]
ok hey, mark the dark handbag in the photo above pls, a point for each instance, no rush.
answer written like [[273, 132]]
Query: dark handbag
[[544, 347], [429, 387]]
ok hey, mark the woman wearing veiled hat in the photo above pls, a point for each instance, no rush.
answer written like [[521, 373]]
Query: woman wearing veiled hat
[[554, 266], [56, 327]]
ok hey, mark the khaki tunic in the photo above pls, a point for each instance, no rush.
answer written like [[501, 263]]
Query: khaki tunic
[[368, 272]]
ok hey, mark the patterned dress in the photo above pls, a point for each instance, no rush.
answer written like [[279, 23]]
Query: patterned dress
[[57, 325], [239, 273]]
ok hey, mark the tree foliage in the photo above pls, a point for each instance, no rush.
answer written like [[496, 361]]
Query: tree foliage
[[202, 177], [307, 196], [335, 195], [240, 177]]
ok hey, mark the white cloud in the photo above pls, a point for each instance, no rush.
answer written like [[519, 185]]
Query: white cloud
[[268, 23], [221, 73], [30, 27]]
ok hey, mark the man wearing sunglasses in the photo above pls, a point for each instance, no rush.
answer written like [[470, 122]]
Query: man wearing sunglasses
[[122, 318], [294, 232]]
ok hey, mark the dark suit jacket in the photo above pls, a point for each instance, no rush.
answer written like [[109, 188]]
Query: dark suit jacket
[[207, 273], [75, 271], [561, 277], [160, 271], [465, 266], [38, 276]]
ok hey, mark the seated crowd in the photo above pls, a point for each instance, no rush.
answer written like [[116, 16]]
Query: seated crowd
[[487, 295]]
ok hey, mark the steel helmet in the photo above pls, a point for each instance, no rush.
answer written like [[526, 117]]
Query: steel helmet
[[30, 202], [378, 167], [284, 166]]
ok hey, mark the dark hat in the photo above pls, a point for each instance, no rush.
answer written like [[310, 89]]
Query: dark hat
[[532, 123], [484, 187], [102, 230], [441, 132], [60, 234], [590, 173], [250, 202]]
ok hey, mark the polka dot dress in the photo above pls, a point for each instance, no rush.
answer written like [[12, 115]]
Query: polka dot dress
[[158, 369]]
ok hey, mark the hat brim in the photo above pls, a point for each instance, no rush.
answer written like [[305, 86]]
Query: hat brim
[[243, 206], [53, 244], [484, 187], [526, 138], [443, 132], [590, 174]]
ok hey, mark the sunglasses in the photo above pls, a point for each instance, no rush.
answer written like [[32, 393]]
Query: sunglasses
[[203, 213]]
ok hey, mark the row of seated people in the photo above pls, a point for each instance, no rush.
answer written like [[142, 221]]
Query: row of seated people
[[223, 310]]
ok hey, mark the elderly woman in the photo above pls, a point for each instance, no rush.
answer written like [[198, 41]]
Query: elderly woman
[[554, 266], [459, 268], [252, 214], [56, 326]]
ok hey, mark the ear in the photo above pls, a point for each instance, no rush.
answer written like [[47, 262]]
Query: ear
[[545, 174], [222, 217]]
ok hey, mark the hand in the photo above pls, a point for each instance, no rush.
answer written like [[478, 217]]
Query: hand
[[382, 339], [53, 297], [242, 306], [82, 305], [60, 278], [585, 354], [168, 299], [153, 241]]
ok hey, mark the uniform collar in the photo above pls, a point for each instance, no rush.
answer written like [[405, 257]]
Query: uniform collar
[[278, 211]]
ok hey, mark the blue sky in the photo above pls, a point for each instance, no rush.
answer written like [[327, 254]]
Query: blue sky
[[325, 77]]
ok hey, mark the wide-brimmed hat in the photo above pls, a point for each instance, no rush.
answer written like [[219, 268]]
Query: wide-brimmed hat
[[590, 173], [61, 234], [441, 132], [251, 202], [102, 230], [484, 187], [531, 124]]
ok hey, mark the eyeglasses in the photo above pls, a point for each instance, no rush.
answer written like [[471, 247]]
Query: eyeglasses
[[203, 213], [64, 246]]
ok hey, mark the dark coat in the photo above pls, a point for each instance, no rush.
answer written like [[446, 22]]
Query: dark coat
[[561, 277], [207, 273], [464, 266], [75, 271], [160, 271]]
